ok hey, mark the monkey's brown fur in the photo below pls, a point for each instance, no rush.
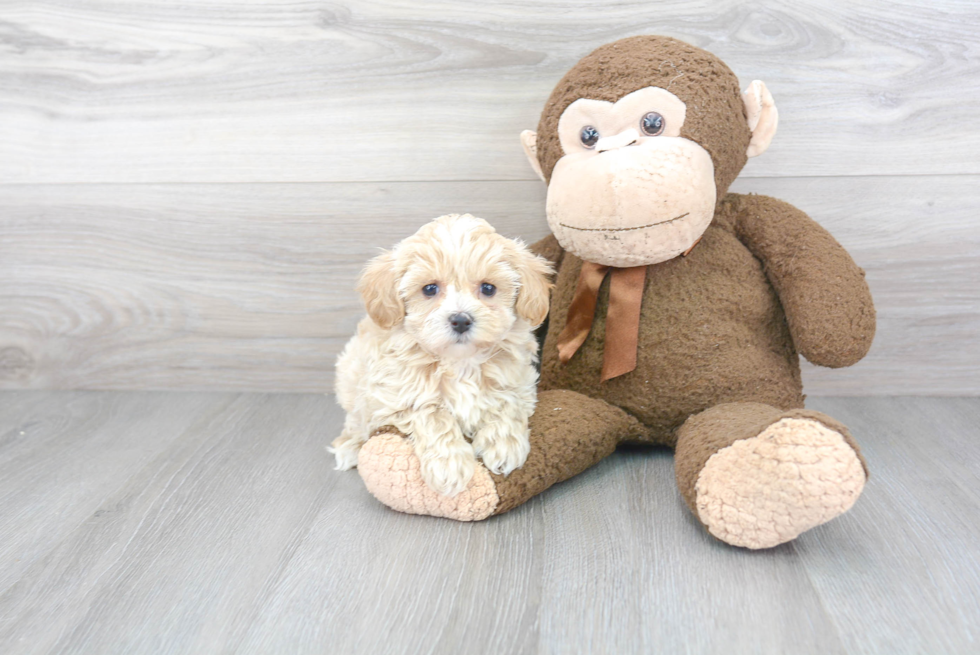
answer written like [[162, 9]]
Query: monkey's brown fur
[[721, 328]]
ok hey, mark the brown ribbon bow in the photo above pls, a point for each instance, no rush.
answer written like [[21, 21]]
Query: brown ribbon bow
[[622, 320]]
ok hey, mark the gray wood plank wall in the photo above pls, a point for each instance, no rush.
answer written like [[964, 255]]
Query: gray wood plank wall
[[188, 190]]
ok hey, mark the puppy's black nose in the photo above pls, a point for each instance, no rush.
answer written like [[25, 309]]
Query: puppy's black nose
[[461, 322]]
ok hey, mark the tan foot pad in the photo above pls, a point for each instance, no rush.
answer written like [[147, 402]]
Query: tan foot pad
[[767, 490], [390, 471]]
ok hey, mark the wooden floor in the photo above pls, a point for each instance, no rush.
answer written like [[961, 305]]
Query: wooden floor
[[210, 523]]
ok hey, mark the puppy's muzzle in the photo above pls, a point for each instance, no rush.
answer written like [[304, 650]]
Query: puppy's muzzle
[[461, 322]]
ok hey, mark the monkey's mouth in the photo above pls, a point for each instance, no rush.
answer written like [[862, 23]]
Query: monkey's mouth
[[624, 229]]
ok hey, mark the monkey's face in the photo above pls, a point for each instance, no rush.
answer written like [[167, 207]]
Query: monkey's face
[[633, 172], [629, 190]]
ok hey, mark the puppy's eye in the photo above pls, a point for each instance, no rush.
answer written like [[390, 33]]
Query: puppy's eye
[[652, 124], [589, 136], [487, 289], [430, 290]]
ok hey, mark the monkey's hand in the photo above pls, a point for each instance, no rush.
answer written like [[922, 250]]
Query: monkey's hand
[[826, 299]]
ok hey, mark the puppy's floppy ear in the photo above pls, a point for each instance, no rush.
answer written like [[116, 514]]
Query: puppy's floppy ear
[[534, 295], [378, 287]]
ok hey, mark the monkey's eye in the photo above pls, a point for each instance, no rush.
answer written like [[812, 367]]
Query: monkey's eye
[[652, 124], [589, 136], [430, 290], [487, 289]]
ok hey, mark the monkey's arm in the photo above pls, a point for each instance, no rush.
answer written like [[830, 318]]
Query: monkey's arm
[[824, 294]]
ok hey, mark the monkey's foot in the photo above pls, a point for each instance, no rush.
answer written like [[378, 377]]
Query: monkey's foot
[[390, 470], [766, 490]]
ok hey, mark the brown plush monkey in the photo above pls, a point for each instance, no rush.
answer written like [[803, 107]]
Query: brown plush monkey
[[679, 309]]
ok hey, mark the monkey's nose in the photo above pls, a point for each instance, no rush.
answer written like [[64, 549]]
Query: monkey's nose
[[461, 322], [621, 140]]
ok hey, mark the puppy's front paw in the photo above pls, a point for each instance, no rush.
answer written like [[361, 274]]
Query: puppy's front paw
[[447, 469], [503, 453], [345, 449]]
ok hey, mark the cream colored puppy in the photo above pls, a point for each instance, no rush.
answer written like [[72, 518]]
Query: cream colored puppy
[[446, 353]]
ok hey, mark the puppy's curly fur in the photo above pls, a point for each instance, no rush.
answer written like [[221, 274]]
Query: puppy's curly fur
[[459, 391]]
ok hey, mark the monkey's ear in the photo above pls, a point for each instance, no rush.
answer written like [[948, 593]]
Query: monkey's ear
[[763, 117], [378, 287], [529, 140]]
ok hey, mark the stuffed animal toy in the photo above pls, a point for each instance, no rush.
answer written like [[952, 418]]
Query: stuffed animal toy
[[679, 309]]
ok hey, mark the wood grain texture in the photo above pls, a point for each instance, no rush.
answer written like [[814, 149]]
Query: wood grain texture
[[96, 441], [180, 548], [250, 287], [379, 582], [187, 191], [277, 91], [628, 570], [920, 523], [205, 523], [237, 287]]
